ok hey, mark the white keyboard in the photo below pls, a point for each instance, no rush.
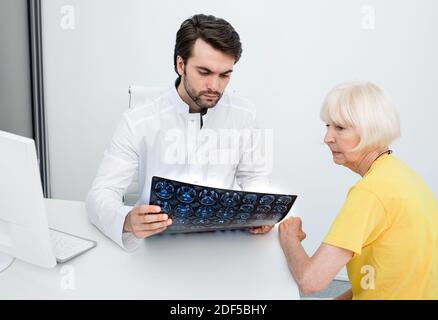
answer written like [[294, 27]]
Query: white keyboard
[[67, 246]]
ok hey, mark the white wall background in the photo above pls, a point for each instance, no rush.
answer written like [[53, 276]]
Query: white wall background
[[294, 53]]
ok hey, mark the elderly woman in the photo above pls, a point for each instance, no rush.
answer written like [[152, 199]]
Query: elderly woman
[[387, 229]]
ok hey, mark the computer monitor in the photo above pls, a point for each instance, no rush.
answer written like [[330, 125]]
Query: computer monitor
[[24, 232]]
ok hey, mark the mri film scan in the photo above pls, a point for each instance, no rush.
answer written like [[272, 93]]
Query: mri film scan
[[196, 208]]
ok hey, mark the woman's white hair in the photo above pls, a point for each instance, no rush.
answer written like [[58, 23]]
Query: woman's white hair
[[365, 107]]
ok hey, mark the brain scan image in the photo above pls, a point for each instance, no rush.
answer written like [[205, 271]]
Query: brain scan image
[[165, 205], [260, 216], [183, 210], [230, 199], [164, 189], [186, 194], [208, 197], [201, 221], [267, 199], [222, 221], [244, 215], [280, 209], [284, 200], [250, 199], [196, 208], [180, 221], [247, 208], [204, 212], [226, 212], [263, 208], [277, 216]]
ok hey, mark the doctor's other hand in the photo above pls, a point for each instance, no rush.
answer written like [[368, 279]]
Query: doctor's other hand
[[289, 229], [145, 220], [260, 230]]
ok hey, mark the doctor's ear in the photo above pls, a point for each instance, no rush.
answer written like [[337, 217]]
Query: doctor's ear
[[180, 65]]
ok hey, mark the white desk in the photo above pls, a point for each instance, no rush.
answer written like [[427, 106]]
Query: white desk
[[218, 265]]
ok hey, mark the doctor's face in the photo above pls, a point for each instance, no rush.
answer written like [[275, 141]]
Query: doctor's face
[[205, 74]]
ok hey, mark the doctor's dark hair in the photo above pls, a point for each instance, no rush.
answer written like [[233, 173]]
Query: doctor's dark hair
[[215, 31]]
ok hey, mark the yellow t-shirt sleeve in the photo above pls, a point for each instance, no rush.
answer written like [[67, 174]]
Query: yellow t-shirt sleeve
[[360, 221]]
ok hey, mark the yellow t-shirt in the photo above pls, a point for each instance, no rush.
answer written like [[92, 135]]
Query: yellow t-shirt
[[390, 222]]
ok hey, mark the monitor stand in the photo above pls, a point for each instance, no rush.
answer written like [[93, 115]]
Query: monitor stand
[[5, 261]]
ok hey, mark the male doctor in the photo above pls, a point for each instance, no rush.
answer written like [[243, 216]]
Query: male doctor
[[194, 132]]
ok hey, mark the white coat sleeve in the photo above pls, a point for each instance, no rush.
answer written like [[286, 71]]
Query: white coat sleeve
[[255, 163], [104, 202]]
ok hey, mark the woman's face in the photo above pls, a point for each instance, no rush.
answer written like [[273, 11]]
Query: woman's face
[[341, 140]]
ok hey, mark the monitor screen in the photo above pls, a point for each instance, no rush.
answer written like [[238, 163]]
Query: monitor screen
[[24, 230]]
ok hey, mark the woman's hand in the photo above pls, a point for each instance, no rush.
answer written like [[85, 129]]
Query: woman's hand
[[290, 228]]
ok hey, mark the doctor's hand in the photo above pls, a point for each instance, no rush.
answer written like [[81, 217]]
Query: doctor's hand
[[260, 230], [145, 220]]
